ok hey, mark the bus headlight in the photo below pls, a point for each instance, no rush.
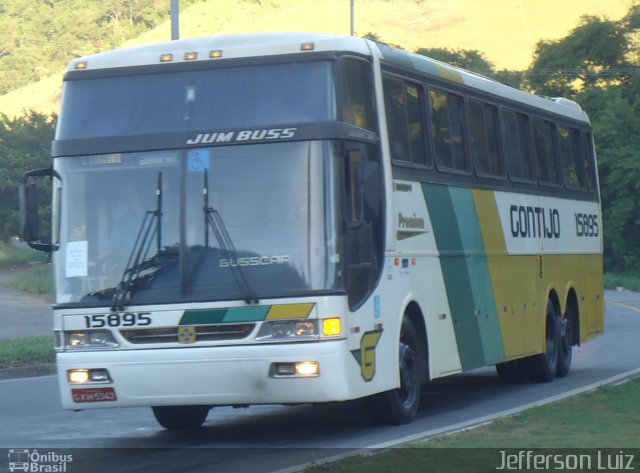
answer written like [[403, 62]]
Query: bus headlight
[[288, 330], [83, 339]]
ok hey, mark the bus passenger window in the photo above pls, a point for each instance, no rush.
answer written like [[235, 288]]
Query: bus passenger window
[[416, 126], [403, 103], [570, 157], [483, 124], [447, 122], [394, 102], [543, 133], [517, 143], [589, 162], [358, 99]]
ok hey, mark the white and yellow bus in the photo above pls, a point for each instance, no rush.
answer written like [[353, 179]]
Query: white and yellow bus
[[305, 218]]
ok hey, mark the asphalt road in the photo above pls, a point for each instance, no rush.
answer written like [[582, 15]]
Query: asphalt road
[[269, 438], [22, 315]]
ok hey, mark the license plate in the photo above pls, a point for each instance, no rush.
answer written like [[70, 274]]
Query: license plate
[[93, 395]]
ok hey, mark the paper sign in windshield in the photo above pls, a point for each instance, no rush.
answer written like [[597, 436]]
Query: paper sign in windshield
[[76, 259]]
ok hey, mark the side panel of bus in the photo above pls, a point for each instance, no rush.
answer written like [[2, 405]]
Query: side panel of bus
[[498, 275]]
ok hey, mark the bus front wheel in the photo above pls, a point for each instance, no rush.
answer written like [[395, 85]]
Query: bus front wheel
[[180, 417], [400, 405]]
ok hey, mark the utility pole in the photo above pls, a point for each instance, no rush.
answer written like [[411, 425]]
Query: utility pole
[[353, 27], [175, 20]]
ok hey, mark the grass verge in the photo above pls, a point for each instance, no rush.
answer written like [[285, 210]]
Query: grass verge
[[32, 274], [26, 351], [34, 280], [605, 420], [631, 282], [11, 255]]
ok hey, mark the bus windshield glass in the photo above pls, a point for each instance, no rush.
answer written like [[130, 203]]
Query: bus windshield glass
[[200, 224], [182, 101]]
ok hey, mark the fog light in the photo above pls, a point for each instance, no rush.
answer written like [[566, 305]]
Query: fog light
[[78, 376], [302, 369], [307, 368], [84, 376], [99, 376], [285, 369]]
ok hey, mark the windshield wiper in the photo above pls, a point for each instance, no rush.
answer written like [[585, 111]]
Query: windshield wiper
[[213, 221], [139, 263]]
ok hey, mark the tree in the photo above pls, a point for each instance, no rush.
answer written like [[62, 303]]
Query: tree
[[39, 37], [593, 54], [24, 144], [597, 64], [615, 125]]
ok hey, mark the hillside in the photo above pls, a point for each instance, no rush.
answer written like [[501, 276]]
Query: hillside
[[505, 31]]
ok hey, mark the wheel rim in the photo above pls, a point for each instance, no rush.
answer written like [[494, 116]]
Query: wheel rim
[[566, 338], [408, 375], [552, 339]]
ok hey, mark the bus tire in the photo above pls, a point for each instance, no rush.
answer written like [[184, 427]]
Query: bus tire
[[543, 367], [180, 417], [400, 406], [565, 348]]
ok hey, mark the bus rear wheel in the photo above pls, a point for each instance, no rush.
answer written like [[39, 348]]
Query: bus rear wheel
[[565, 349], [180, 417], [400, 405], [543, 367]]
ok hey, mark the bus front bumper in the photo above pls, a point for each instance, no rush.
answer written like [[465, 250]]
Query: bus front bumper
[[206, 376]]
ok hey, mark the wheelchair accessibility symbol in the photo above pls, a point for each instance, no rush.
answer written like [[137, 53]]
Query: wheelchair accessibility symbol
[[198, 160]]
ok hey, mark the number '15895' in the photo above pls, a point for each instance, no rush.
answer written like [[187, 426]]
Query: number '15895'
[[127, 319]]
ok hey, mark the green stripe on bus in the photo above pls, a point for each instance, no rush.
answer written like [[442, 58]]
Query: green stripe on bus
[[466, 274], [200, 317], [485, 309], [247, 314], [217, 316]]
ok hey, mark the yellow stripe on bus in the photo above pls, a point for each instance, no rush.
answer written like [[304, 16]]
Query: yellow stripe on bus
[[502, 269], [290, 311]]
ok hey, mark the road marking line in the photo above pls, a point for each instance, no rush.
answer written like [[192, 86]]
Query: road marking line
[[625, 306], [28, 378]]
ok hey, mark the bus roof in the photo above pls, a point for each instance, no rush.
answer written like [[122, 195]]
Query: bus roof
[[219, 47], [214, 47]]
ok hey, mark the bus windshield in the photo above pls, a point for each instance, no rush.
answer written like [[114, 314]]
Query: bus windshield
[[181, 101], [147, 219]]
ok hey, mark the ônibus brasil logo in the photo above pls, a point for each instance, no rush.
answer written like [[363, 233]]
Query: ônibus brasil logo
[[24, 459]]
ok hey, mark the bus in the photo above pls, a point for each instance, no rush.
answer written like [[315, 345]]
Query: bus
[[287, 218]]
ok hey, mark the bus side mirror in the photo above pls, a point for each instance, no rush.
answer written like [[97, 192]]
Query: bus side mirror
[[30, 210], [29, 217]]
